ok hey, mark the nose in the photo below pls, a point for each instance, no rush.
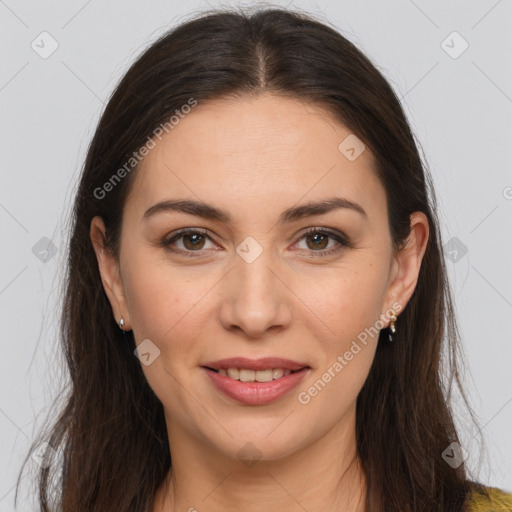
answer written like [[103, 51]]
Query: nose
[[256, 298]]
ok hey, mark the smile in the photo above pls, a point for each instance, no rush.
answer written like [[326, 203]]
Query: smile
[[255, 387], [246, 375]]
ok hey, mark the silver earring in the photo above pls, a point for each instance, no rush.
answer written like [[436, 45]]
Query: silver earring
[[121, 323], [392, 327]]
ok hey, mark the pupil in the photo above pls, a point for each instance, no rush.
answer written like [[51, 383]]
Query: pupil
[[196, 238], [316, 237]]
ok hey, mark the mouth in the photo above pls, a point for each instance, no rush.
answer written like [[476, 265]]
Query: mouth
[[247, 375], [255, 382]]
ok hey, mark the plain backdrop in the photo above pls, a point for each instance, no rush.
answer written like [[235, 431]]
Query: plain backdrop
[[449, 63]]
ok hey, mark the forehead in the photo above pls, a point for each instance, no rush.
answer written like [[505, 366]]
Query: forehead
[[250, 153]]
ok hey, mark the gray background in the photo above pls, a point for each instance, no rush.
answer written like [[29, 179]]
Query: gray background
[[459, 107]]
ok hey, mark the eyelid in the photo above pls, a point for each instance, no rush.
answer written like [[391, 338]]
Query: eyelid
[[334, 233]]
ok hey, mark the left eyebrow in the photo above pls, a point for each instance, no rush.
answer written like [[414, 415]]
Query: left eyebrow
[[208, 211]]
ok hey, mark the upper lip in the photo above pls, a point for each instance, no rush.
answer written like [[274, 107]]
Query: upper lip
[[264, 363]]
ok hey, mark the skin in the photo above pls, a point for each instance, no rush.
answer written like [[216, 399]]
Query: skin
[[255, 158]]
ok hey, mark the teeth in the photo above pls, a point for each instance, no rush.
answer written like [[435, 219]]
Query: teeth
[[277, 372], [264, 375], [245, 375], [233, 373]]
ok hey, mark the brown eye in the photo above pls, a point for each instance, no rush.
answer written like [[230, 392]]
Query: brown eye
[[193, 241], [319, 240], [187, 241]]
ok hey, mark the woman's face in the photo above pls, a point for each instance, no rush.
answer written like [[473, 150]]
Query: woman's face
[[249, 282]]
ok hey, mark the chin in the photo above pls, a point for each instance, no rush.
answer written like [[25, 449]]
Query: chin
[[250, 443]]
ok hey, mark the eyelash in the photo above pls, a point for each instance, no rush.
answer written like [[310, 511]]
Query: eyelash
[[341, 239]]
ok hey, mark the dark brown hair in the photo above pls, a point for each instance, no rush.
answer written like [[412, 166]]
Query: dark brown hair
[[110, 433]]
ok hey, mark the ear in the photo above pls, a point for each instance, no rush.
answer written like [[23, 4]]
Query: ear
[[407, 263], [110, 273]]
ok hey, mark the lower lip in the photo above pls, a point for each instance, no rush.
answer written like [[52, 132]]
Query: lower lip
[[256, 393]]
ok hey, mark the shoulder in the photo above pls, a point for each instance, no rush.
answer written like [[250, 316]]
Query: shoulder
[[489, 499]]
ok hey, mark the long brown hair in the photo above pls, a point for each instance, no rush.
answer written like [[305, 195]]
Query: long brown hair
[[110, 434]]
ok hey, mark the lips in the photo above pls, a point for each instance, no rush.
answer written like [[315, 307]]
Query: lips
[[264, 363], [289, 374]]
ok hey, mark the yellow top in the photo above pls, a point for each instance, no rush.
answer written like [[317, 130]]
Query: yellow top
[[501, 501]]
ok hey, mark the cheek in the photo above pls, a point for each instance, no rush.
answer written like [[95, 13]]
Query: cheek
[[346, 302], [347, 314], [161, 299], [165, 307]]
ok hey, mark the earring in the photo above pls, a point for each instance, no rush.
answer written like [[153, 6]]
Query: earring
[[121, 323], [392, 327]]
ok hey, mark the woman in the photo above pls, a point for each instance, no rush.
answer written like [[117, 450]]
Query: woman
[[257, 309]]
